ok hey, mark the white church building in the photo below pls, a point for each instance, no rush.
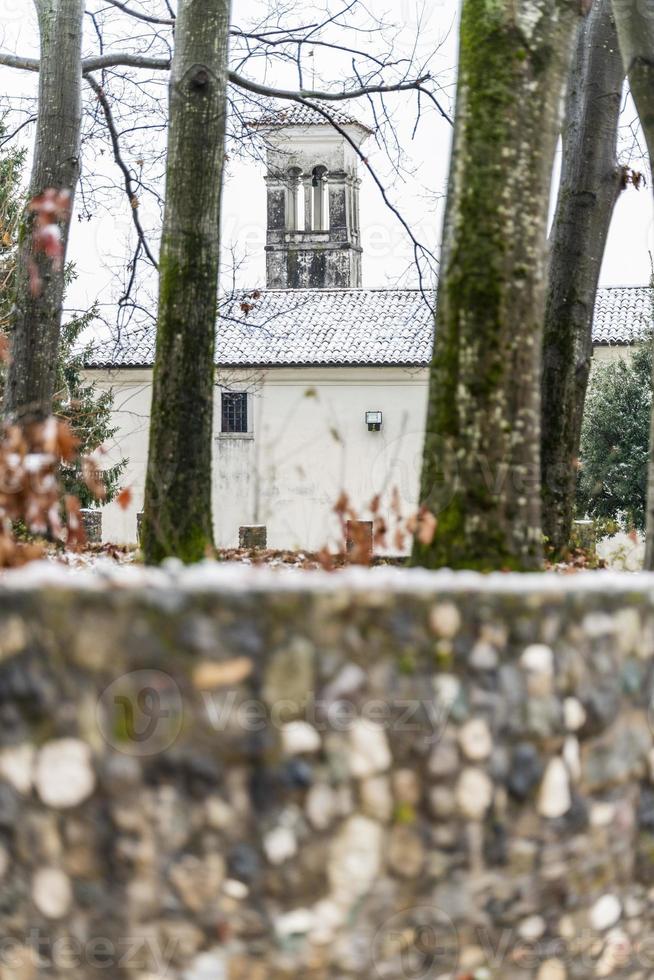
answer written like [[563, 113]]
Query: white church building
[[321, 384]]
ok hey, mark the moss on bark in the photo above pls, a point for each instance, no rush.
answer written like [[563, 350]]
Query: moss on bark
[[177, 513], [36, 321], [481, 463]]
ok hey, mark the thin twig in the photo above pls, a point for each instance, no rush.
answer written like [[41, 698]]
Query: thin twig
[[127, 176]]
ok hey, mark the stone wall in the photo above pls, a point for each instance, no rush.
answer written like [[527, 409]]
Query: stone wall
[[221, 773]]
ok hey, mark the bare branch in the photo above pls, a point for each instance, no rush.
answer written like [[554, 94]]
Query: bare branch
[[131, 74], [302, 95], [148, 18], [10, 136], [15, 61], [126, 60], [127, 177]]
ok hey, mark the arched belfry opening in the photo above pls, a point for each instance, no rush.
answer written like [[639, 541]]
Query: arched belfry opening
[[295, 200], [313, 238], [319, 199]]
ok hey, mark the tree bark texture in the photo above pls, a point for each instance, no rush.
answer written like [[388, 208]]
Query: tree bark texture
[[635, 23], [177, 513], [36, 320], [481, 468], [589, 188]]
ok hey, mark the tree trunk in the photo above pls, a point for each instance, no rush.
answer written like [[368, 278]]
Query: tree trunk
[[481, 467], [635, 23], [37, 317], [177, 514], [590, 185]]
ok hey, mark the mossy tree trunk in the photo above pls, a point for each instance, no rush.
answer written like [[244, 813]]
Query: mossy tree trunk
[[589, 188], [177, 512], [36, 319], [635, 23], [481, 468]]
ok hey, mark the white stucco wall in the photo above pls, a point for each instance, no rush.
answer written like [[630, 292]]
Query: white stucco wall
[[605, 353], [309, 442], [131, 414]]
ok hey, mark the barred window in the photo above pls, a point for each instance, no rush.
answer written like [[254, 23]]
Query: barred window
[[234, 411]]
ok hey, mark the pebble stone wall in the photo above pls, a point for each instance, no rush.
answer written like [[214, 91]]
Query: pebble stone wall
[[222, 775]]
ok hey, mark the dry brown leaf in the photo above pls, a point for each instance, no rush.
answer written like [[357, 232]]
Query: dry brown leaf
[[396, 503], [342, 505], [67, 443], [427, 525], [92, 476], [124, 498]]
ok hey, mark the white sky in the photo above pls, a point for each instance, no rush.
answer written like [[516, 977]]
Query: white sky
[[387, 252]]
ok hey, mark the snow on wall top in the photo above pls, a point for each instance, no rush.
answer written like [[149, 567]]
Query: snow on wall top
[[371, 327], [211, 576]]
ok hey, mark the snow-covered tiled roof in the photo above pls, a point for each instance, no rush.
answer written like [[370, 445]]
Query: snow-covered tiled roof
[[293, 114], [326, 326], [623, 314], [376, 327], [306, 326]]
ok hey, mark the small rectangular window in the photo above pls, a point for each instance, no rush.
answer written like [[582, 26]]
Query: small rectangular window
[[234, 411]]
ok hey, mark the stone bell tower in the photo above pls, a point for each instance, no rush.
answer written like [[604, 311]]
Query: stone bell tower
[[313, 236]]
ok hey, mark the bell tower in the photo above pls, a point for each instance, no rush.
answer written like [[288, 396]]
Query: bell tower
[[313, 234]]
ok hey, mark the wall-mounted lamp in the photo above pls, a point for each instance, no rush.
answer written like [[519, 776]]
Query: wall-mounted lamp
[[374, 421]]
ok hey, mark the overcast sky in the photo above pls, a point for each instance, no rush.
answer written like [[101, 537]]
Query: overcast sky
[[387, 252]]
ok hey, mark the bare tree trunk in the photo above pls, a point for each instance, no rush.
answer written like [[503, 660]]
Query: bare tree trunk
[[37, 317], [177, 518], [635, 23], [649, 534], [481, 468], [589, 188]]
